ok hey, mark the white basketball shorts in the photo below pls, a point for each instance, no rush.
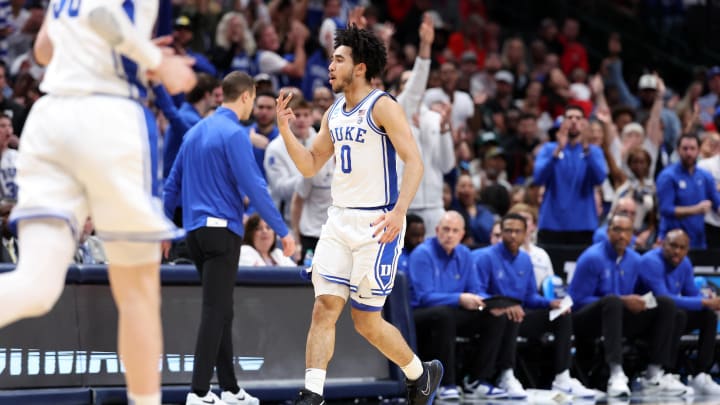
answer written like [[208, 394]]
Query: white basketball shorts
[[91, 155], [349, 262]]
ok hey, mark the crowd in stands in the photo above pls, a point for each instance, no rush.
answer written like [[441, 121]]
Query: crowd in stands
[[518, 126]]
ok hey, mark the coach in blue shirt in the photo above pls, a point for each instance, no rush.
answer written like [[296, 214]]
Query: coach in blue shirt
[[569, 169], [686, 193], [603, 290], [667, 272], [213, 170], [445, 301], [504, 270]]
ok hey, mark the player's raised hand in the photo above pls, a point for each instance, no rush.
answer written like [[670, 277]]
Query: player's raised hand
[[175, 72], [388, 226], [284, 114]]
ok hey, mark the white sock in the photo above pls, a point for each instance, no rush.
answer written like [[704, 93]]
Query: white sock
[[616, 370], [414, 369], [653, 370], [152, 399], [315, 380], [507, 374], [563, 376]]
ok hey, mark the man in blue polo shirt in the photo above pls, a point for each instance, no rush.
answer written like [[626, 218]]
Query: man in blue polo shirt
[[212, 172], [569, 168], [603, 291], [667, 272], [445, 302], [505, 270], [686, 193]]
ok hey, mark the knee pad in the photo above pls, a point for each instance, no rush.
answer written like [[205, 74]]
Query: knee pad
[[125, 253]]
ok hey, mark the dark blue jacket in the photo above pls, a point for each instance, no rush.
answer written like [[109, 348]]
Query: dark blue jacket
[[501, 273], [677, 187], [437, 278], [659, 276], [598, 273], [569, 200], [213, 170]]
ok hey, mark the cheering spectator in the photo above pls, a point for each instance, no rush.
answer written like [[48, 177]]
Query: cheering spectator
[[259, 245]]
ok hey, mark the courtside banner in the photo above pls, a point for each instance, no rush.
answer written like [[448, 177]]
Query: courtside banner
[[75, 344]]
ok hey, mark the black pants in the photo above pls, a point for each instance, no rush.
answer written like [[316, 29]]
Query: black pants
[[712, 236], [438, 327], [537, 322], [609, 318], [706, 321], [547, 237], [307, 242], [216, 252]]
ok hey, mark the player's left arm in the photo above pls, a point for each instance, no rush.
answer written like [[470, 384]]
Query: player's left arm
[[388, 114]]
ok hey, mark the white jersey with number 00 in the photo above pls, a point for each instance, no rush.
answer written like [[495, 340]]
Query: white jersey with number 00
[[365, 174], [82, 62]]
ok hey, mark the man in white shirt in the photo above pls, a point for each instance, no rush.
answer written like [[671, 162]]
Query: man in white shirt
[[712, 218], [431, 130], [281, 173]]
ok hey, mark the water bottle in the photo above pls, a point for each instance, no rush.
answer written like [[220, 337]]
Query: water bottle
[[307, 263]]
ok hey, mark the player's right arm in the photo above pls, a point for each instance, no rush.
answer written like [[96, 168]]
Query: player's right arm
[[111, 23], [308, 161], [43, 48]]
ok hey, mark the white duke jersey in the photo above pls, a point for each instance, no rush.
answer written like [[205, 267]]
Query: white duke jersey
[[8, 169], [365, 171], [82, 62]]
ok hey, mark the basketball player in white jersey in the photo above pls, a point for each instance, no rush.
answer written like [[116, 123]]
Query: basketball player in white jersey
[[361, 241], [85, 151]]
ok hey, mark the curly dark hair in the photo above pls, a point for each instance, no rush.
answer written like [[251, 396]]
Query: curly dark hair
[[366, 48]]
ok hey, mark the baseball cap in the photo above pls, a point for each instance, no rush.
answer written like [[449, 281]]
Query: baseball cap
[[580, 91], [487, 137], [648, 82], [713, 71], [182, 22], [468, 56], [504, 76], [495, 151], [633, 127]]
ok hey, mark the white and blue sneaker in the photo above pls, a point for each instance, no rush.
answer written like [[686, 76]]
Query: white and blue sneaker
[[664, 385], [241, 398], [208, 399], [572, 387], [482, 390], [703, 384], [511, 385], [448, 393]]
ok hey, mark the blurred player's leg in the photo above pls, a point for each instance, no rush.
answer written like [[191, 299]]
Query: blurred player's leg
[[136, 290], [37, 282]]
